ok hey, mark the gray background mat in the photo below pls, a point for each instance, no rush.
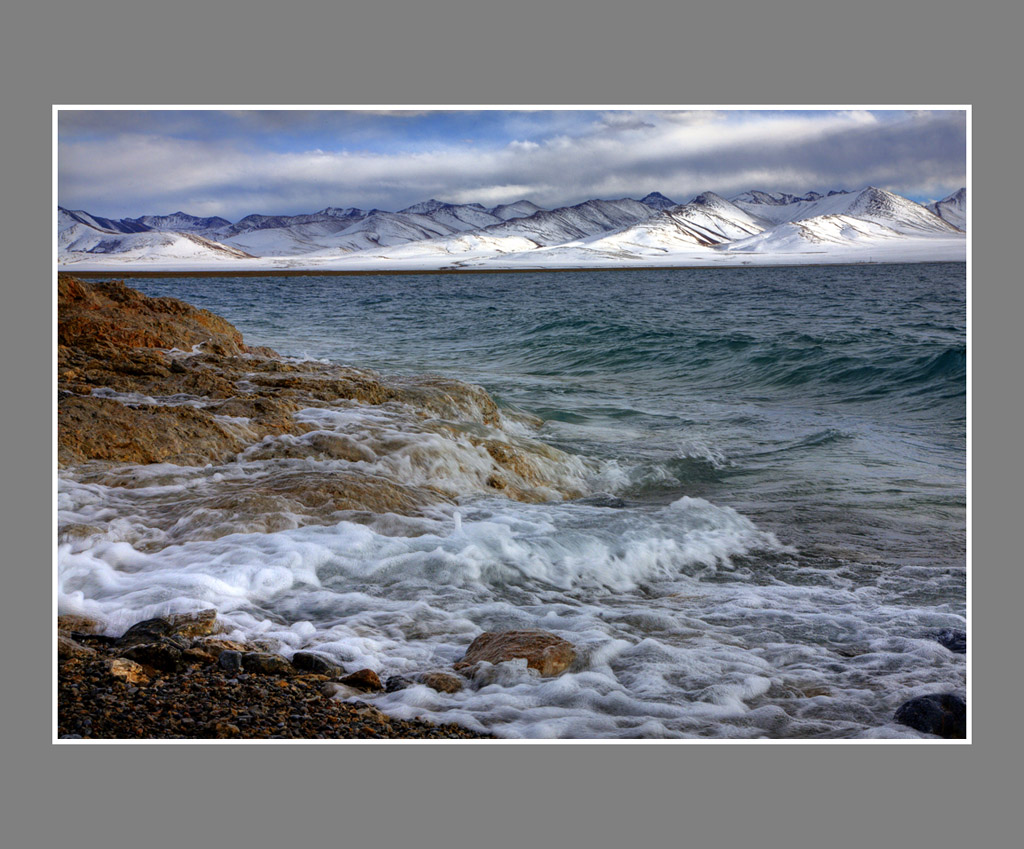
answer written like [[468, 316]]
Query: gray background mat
[[457, 52]]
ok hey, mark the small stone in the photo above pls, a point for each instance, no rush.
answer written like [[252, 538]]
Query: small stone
[[396, 683], [443, 682], [265, 663], [225, 729], [309, 662], [230, 661], [549, 654], [943, 714], [128, 671], [365, 680]]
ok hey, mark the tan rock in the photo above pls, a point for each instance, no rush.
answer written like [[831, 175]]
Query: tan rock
[[364, 679], [550, 655], [443, 682], [104, 429], [128, 671]]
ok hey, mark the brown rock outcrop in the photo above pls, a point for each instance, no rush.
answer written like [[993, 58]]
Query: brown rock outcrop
[[104, 316], [103, 429], [154, 380], [549, 654]]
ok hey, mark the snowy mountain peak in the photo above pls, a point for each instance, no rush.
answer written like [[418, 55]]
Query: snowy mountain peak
[[952, 209], [517, 209], [656, 200], [781, 198], [426, 207], [347, 212]]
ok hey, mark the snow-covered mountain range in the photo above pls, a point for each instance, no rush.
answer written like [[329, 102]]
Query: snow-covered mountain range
[[754, 227]]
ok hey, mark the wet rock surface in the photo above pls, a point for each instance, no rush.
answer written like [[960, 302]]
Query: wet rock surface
[[549, 654], [154, 380], [942, 714]]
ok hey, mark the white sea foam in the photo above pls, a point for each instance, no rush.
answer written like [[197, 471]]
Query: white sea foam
[[676, 634]]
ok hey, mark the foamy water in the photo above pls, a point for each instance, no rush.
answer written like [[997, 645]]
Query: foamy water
[[754, 523]]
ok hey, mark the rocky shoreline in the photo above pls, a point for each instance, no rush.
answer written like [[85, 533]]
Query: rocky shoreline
[[172, 677], [145, 381]]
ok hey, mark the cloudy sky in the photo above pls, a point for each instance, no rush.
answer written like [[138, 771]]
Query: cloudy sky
[[131, 163]]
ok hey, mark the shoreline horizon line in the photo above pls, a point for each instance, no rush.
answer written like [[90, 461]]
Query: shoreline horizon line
[[294, 272]]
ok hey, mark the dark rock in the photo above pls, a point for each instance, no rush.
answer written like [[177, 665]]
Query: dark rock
[[549, 654], [180, 625], [264, 663], [952, 639], [230, 661], [163, 654], [364, 679], [943, 714], [396, 683], [318, 664]]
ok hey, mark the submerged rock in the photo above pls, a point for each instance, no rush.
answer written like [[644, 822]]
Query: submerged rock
[[443, 682], [952, 639], [549, 654], [943, 714]]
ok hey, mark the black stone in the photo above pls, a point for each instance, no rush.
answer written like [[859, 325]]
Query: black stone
[[164, 655], [943, 714], [230, 660], [954, 640], [309, 662]]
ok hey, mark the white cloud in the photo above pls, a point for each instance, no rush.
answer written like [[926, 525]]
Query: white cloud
[[625, 153]]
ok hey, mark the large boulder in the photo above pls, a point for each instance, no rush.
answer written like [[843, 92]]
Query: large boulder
[[550, 655], [943, 714]]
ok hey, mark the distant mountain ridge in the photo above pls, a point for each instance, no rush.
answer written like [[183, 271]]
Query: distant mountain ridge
[[754, 221]]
